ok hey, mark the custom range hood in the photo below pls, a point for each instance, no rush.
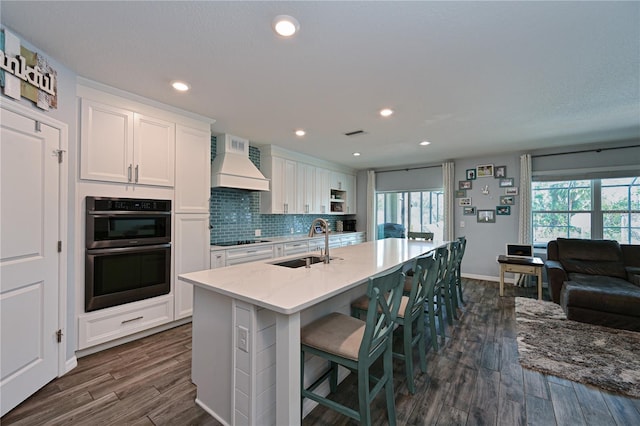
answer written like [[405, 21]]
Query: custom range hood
[[231, 168]]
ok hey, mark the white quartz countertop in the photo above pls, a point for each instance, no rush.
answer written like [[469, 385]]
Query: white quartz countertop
[[289, 290]]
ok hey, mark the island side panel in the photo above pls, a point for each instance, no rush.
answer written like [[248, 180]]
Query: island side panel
[[288, 369], [211, 353], [265, 366]]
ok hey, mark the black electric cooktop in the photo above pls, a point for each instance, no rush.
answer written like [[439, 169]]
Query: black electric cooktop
[[240, 242]]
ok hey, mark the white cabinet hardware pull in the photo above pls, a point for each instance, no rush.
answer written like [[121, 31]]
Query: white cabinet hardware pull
[[132, 319], [129, 173], [137, 166]]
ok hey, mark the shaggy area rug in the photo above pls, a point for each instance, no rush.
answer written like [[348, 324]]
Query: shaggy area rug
[[599, 356]]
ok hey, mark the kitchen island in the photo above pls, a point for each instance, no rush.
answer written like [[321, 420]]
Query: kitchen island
[[247, 320]]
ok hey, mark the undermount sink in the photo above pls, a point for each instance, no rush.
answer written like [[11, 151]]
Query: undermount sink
[[299, 262]]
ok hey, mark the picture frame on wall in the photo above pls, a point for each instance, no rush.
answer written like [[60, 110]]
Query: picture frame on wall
[[471, 174], [484, 170], [460, 193], [464, 184], [469, 211], [511, 191], [505, 182], [500, 172], [486, 216], [507, 200], [464, 201], [503, 210]]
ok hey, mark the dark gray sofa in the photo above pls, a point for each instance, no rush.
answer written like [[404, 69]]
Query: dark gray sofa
[[596, 281]]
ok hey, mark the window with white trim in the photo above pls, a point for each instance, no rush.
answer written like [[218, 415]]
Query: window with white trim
[[590, 209]]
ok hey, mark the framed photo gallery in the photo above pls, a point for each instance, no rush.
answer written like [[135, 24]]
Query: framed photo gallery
[[463, 193]]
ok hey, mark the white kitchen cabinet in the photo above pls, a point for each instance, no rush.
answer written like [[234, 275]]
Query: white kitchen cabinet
[[315, 244], [335, 242], [106, 142], [193, 170], [218, 259], [296, 247], [251, 253], [154, 149], [342, 193], [348, 240], [278, 250], [350, 188], [282, 197], [322, 192], [338, 180], [119, 321], [191, 253], [306, 202], [119, 145]]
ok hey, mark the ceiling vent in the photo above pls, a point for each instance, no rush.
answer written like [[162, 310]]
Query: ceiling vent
[[356, 133]]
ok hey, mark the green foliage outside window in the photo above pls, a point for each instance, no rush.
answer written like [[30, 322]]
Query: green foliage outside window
[[566, 209]]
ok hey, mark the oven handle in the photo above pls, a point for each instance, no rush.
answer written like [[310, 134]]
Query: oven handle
[[126, 213], [127, 249]]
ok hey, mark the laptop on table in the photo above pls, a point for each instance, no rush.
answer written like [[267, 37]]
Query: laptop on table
[[520, 251]]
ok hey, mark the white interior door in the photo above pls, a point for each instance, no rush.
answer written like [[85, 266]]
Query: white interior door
[[29, 274]]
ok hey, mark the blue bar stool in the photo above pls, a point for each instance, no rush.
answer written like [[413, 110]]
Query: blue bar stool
[[356, 345]]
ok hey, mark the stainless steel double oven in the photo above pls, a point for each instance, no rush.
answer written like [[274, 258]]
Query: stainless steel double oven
[[128, 250]]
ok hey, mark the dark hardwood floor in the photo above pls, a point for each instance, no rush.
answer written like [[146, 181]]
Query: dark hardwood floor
[[474, 379]]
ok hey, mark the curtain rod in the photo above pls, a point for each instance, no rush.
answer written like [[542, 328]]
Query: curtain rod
[[585, 150], [408, 168]]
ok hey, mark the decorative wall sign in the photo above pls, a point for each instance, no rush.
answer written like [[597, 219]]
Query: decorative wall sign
[[500, 172], [471, 174], [460, 193], [485, 170], [511, 191], [464, 201], [507, 200], [464, 184], [503, 210], [26, 73], [504, 182], [469, 211], [486, 216]]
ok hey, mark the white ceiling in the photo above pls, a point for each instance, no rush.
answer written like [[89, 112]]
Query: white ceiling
[[474, 78]]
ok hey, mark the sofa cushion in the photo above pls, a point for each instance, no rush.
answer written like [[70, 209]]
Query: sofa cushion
[[604, 294], [594, 257], [633, 274]]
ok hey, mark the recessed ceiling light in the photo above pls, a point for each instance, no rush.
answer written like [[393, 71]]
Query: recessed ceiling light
[[300, 132], [356, 154], [425, 143], [286, 25], [386, 112], [180, 86]]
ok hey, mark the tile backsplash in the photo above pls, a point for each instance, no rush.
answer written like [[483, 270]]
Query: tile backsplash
[[235, 213]]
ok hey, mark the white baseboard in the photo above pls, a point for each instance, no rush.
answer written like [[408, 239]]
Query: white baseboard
[[211, 412], [70, 364], [487, 278]]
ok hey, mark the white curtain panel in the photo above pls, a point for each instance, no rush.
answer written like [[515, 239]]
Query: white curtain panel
[[448, 183], [371, 206], [524, 218]]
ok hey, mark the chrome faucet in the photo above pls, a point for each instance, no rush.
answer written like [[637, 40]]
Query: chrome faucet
[[325, 225]]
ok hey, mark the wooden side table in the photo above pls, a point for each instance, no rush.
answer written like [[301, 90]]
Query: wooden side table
[[530, 266]]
